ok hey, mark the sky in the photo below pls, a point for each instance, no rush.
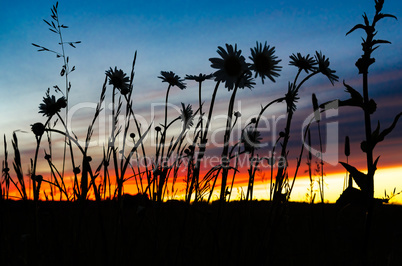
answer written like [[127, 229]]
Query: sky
[[181, 36]]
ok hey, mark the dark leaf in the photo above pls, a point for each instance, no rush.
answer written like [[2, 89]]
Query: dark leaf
[[72, 69], [376, 131], [366, 21], [381, 16], [47, 23], [375, 163], [359, 177], [374, 42], [385, 132], [64, 27], [374, 48], [71, 44], [353, 93], [53, 31], [358, 26]]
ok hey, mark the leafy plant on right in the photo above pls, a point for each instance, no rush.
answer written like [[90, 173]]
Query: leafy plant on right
[[365, 181]]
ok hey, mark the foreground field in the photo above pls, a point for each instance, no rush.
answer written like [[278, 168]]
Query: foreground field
[[239, 233]]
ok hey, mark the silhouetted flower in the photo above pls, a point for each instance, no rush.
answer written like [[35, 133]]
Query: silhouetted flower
[[251, 138], [132, 135], [50, 106], [62, 102], [264, 63], [323, 67], [118, 79], [246, 81], [305, 63], [200, 77], [231, 67], [158, 128], [172, 79], [291, 98], [38, 129], [187, 115]]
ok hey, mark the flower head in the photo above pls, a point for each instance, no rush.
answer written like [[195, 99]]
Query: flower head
[[199, 78], [38, 129], [251, 139], [305, 63], [50, 106], [172, 79], [187, 115], [118, 79], [264, 63], [323, 67], [246, 81], [231, 66]]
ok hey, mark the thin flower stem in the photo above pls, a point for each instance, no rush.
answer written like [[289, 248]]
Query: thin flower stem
[[305, 79], [33, 174], [142, 144], [225, 151], [67, 70], [322, 163], [163, 139], [67, 138], [252, 170], [204, 134]]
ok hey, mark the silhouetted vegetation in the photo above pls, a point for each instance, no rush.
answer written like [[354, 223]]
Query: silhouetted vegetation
[[89, 219]]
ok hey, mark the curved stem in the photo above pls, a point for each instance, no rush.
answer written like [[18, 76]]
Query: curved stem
[[252, 167]]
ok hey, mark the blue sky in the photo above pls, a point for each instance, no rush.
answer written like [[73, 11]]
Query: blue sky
[[180, 36]]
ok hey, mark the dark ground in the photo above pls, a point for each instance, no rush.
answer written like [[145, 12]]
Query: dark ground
[[241, 233]]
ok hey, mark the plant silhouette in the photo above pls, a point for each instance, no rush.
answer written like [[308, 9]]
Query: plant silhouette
[[207, 225]]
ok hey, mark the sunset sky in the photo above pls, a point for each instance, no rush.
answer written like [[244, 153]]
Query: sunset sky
[[181, 36]]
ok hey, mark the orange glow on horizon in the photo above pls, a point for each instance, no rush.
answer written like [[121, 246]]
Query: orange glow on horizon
[[384, 181]]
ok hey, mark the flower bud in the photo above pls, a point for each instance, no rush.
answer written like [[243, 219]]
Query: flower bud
[[38, 129], [317, 114]]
